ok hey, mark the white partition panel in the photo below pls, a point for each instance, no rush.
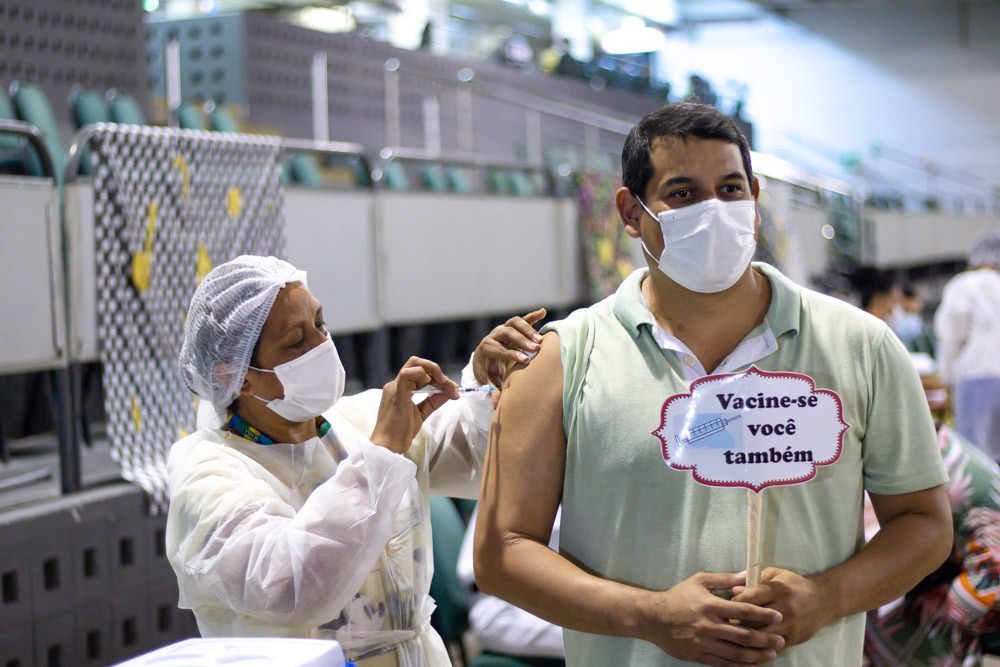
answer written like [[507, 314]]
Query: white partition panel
[[572, 290], [32, 328], [81, 270], [812, 247], [331, 236], [450, 257], [900, 238]]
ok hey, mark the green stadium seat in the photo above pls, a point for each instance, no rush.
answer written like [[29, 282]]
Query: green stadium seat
[[433, 177], [362, 176], [86, 108], [221, 120], [466, 506], [303, 169], [458, 179], [520, 183], [451, 617], [498, 181], [32, 106], [124, 109], [10, 145], [394, 176], [190, 118]]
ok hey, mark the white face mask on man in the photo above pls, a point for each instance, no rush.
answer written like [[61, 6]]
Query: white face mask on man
[[312, 383], [706, 246]]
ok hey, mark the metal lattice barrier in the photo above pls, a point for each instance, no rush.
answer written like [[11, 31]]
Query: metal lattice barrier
[[168, 206]]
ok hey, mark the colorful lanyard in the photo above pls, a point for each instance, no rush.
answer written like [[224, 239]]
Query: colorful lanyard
[[243, 429]]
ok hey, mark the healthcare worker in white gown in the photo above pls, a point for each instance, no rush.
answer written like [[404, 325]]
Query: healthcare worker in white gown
[[299, 513]]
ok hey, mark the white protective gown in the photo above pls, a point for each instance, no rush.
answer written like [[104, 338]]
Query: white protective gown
[[329, 538]]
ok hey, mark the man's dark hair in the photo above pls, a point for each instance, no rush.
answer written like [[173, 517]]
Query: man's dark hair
[[681, 120]]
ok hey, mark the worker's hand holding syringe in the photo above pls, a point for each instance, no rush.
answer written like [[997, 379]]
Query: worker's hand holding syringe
[[400, 417]]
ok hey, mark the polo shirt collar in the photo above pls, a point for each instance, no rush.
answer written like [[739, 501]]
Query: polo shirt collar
[[782, 315], [786, 301]]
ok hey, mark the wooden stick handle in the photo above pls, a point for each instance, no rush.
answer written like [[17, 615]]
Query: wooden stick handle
[[753, 537]]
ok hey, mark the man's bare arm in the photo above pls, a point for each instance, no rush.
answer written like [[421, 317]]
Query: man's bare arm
[[914, 538], [522, 489]]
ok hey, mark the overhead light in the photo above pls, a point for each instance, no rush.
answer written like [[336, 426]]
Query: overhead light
[[327, 19], [662, 12], [539, 7], [633, 37]]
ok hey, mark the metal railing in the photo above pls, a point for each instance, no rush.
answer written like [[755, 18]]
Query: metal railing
[[34, 137], [477, 164]]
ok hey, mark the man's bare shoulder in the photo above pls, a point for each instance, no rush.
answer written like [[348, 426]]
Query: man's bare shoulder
[[542, 372]]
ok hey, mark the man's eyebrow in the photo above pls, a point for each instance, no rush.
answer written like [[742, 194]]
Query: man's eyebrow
[[686, 180], [676, 180]]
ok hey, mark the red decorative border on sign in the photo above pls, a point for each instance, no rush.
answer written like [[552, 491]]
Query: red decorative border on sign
[[753, 370]]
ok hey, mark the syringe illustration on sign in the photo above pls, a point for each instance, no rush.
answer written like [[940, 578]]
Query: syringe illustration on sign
[[702, 432]]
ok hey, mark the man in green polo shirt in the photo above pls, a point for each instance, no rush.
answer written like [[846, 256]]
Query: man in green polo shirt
[[649, 569]]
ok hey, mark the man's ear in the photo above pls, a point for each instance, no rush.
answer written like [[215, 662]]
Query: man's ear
[[755, 191], [629, 210]]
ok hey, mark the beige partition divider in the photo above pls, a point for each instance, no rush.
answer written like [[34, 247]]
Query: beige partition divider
[[33, 326], [330, 234], [901, 238], [445, 257]]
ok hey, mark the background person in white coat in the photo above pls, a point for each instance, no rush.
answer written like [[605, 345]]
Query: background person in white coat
[[967, 325]]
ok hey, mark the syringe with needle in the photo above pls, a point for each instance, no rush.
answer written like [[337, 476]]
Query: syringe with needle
[[710, 427], [462, 391]]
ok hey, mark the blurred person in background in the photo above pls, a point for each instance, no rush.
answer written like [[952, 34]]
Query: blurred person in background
[[900, 308], [907, 320], [877, 291], [967, 326], [954, 613], [550, 58]]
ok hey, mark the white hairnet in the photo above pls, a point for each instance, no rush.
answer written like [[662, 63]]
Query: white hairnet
[[224, 321], [985, 249]]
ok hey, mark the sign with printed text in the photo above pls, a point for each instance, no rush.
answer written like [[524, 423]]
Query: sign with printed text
[[753, 429]]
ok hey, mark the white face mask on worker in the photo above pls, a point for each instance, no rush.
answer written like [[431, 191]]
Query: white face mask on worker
[[312, 383], [706, 246]]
